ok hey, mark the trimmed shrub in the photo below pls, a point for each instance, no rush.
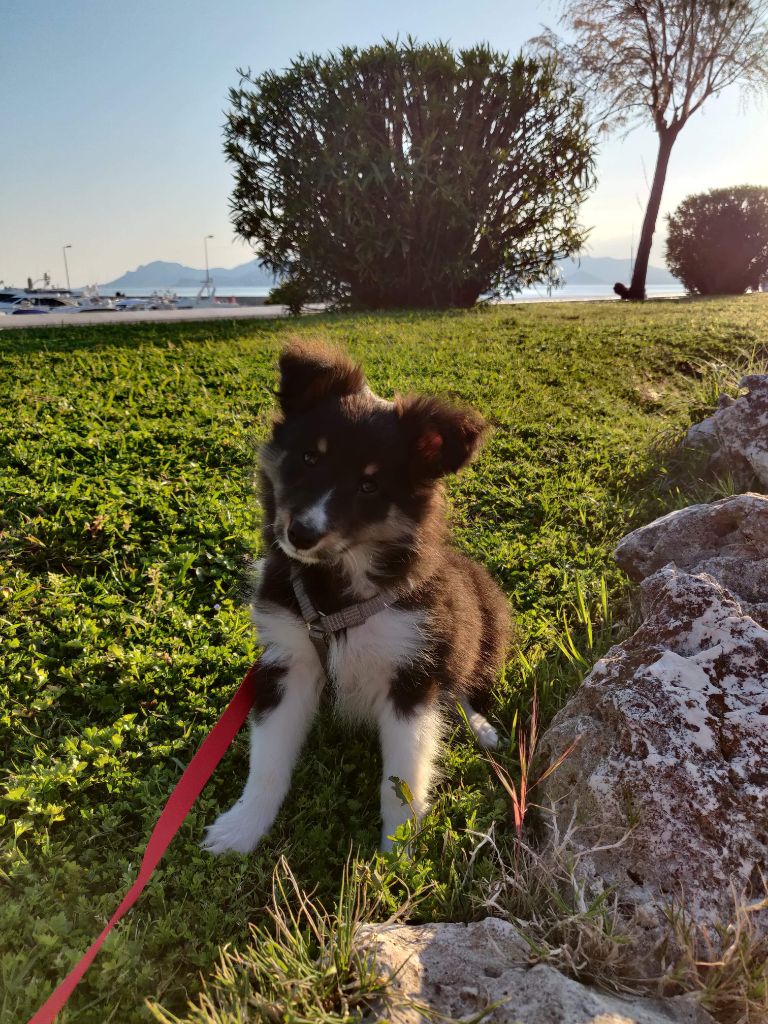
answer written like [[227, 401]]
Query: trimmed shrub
[[717, 242]]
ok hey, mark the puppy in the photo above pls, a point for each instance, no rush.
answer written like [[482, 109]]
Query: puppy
[[360, 591]]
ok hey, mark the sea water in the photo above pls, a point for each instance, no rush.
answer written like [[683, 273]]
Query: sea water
[[568, 293]]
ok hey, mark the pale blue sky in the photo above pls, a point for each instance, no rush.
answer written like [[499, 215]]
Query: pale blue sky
[[112, 113]]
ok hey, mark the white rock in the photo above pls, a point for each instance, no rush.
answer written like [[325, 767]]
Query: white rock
[[727, 539], [734, 527], [736, 435], [459, 970], [673, 738]]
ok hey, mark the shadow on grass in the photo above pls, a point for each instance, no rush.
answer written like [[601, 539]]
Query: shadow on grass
[[132, 335], [58, 338]]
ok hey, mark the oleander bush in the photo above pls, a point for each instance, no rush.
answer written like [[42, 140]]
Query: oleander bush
[[407, 175]]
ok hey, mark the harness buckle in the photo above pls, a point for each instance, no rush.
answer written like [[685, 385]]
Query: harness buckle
[[316, 632]]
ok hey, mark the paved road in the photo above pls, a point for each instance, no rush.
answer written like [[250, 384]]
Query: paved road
[[223, 312]]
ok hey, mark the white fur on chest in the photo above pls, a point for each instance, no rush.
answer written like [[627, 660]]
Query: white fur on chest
[[362, 661]]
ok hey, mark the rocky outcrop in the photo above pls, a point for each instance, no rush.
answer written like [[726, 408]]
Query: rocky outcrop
[[672, 730], [727, 540], [460, 970], [736, 435]]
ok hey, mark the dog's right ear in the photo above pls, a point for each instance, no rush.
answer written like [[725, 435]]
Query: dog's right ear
[[312, 373]]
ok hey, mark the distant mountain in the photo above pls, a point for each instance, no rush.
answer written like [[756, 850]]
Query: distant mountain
[[590, 270], [607, 270], [160, 274]]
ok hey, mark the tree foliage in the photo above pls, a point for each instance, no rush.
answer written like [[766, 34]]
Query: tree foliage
[[717, 242], [659, 61], [409, 175]]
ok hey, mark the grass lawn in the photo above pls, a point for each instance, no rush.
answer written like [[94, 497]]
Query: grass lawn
[[128, 519]]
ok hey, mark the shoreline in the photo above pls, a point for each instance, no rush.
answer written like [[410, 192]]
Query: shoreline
[[252, 308]]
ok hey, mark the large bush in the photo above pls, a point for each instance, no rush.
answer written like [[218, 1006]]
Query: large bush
[[717, 242], [407, 175]]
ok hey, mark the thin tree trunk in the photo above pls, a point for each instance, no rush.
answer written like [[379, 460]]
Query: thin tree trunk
[[636, 289]]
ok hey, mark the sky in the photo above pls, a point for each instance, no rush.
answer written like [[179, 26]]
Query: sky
[[112, 112]]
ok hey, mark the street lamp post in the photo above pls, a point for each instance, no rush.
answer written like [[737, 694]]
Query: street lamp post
[[66, 265]]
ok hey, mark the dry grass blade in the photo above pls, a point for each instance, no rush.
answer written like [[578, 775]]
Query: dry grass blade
[[527, 743], [727, 966], [563, 924]]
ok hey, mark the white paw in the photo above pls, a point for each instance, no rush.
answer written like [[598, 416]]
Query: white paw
[[237, 830], [486, 735]]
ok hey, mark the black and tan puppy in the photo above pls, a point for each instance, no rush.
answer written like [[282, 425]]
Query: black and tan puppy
[[360, 588]]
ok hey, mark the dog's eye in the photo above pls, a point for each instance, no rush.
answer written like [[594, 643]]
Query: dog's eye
[[369, 486], [311, 458]]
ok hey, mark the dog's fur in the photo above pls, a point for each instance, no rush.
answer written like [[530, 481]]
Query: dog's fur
[[352, 494]]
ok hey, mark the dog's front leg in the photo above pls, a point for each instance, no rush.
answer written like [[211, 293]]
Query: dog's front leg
[[410, 742], [287, 698]]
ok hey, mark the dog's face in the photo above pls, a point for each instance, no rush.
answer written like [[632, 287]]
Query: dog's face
[[350, 474]]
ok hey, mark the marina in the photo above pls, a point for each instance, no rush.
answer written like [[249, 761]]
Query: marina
[[112, 315], [65, 302], [56, 307]]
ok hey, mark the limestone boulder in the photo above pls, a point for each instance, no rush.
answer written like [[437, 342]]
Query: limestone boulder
[[736, 434], [459, 970], [727, 539], [672, 731]]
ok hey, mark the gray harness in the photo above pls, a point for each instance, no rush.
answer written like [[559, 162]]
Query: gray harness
[[322, 628]]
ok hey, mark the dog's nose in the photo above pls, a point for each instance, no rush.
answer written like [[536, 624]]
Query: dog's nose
[[303, 536]]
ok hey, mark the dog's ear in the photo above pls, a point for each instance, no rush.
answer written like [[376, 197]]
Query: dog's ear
[[441, 438], [311, 373]]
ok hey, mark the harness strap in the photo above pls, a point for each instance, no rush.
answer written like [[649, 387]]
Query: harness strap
[[353, 614], [322, 627]]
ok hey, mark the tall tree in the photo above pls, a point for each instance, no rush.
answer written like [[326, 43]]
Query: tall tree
[[409, 175], [660, 61]]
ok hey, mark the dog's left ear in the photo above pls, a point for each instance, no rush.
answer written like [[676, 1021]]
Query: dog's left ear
[[441, 438], [312, 373]]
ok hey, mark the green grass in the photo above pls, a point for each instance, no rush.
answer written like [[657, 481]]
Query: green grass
[[304, 958], [128, 519]]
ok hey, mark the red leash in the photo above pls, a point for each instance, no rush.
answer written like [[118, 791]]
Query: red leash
[[178, 805]]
